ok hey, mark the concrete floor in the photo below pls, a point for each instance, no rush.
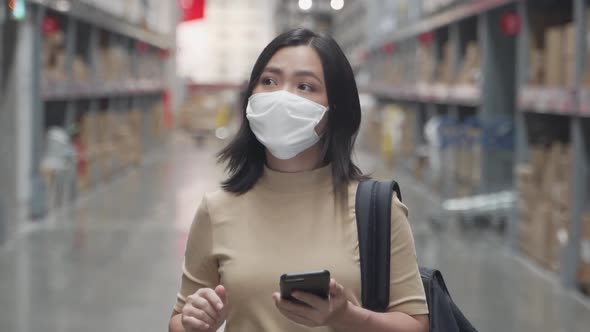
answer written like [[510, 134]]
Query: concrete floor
[[112, 261]]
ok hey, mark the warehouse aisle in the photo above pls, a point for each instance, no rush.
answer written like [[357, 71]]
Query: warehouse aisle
[[111, 263]]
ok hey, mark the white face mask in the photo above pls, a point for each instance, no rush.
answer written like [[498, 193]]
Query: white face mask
[[284, 122]]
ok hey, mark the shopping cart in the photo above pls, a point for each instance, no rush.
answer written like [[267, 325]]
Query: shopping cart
[[492, 209], [470, 197]]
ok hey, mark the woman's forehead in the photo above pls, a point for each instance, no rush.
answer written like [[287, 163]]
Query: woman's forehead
[[296, 58]]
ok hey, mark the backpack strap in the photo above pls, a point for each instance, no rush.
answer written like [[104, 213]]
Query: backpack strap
[[373, 215]]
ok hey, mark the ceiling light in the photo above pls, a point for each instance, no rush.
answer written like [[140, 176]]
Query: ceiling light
[[305, 4], [337, 4]]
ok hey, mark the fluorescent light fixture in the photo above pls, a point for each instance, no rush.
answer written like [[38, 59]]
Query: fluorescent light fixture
[[63, 5], [305, 4], [337, 4]]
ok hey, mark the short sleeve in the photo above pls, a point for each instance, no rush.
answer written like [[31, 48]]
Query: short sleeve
[[200, 267], [406, 293]]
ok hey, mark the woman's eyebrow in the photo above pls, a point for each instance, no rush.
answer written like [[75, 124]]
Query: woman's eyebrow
[[273, 70], [299, 73], [308, 73]]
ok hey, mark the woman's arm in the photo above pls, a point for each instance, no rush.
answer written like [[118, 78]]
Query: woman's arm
[[175, 324], [355, 318]]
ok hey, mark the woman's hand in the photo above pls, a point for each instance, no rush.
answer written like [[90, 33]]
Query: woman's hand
[[318, 311], [206, 310]]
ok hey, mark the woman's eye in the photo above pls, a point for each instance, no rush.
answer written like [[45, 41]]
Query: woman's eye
[[268, 81], [306, 87]]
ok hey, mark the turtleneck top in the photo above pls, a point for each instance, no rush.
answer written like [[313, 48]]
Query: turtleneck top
[[288, 222]]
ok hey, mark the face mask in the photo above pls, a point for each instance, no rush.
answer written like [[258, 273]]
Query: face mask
[[284, 122]]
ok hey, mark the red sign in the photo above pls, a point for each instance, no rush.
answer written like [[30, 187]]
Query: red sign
[[388, 48], [50, 25], [510, 24], [426, 38], [192, 9]]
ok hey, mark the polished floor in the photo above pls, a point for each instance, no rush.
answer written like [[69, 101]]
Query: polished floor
[[112, 261]]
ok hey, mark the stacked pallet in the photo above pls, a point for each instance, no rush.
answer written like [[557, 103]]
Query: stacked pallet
[[544, 187]]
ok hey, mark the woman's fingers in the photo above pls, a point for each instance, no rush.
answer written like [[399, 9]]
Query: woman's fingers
[[222, 294], [297, 318], [191, 323], [202, 303], [211, 296], [312, 300], [190, 311], [335, 288], [295, 312]]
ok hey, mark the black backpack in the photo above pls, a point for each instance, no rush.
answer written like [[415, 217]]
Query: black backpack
[[373, 215]]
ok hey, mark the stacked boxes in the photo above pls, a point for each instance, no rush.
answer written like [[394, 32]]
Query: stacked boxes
[[425, 64], [53, 60], [536, 64], [569, 54], [471, 65], [552, 56], [114, 64], [118, 137], [52, 57], [199, 112], [445, 66], [544, 187]]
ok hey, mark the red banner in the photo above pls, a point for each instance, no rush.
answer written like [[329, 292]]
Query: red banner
[[192, 9]]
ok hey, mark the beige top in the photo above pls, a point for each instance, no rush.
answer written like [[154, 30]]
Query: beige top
[[288, 223]]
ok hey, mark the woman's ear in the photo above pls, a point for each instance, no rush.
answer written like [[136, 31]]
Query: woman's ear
[[321, 127]]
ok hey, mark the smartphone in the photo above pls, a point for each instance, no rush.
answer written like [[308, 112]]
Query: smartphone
[[317, 283]]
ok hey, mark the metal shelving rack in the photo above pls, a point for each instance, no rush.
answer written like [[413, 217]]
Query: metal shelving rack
[[489, 99], [567, 104], [9, 193], [503, 91], [63, 103]]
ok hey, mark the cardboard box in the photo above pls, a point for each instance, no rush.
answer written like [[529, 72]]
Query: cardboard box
[[544, 188], [426, 66], [539, 235], [80, 70], [569, 54], [446, 66], [471, 64], [554, 71], [569, 39], [536, 66]]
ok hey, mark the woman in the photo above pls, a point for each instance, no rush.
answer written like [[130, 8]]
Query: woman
[[288, 206]]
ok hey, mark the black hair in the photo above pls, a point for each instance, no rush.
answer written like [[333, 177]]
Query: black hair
[[245, 155]]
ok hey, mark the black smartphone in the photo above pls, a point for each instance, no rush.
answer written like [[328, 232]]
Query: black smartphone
[[317, 283]]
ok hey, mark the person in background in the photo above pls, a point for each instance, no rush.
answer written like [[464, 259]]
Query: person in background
[[288, 205]]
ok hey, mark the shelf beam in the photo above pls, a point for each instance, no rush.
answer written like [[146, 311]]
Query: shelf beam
[[449, 16], [101, 19]]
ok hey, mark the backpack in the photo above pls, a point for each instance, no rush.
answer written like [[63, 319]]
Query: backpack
[[373, 215]]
